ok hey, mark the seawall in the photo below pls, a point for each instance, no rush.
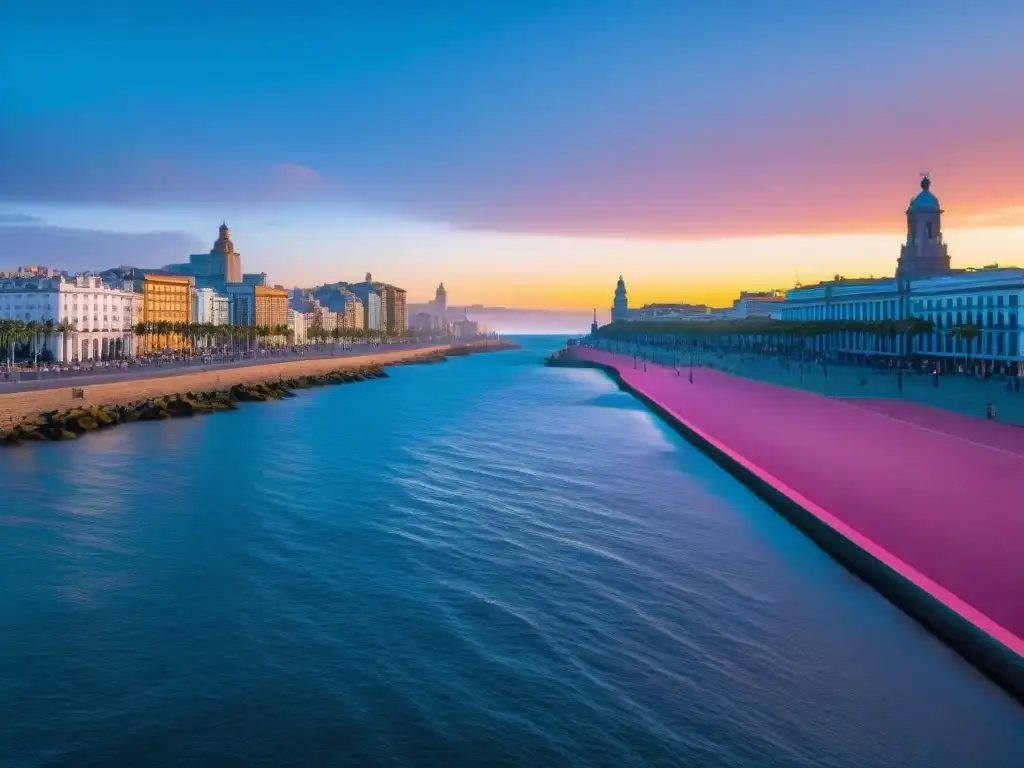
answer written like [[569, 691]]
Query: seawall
[[945, 582], [18, 406]]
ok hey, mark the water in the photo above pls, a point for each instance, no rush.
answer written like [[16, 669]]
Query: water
[[479, 563]]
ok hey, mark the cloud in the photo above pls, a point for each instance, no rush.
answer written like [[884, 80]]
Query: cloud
[[1006, 216], [15, 219], [77, 250], [299, 175], [41, 166]]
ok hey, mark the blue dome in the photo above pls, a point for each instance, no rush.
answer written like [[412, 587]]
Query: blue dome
[[925, 200]]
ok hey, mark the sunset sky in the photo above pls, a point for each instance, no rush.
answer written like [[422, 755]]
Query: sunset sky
[[524, 152]]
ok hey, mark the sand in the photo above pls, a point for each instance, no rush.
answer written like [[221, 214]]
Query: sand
[[15, 407]]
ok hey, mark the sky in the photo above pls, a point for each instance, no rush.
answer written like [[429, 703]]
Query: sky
[[526, 153]]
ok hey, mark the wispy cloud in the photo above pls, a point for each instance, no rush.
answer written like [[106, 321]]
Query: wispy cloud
[[86, 249], [15, 219], [1009, 215]]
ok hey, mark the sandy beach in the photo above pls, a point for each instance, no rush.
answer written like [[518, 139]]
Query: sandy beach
[[15, 407]]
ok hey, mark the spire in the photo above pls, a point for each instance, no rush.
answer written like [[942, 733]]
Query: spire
[[595, 315]]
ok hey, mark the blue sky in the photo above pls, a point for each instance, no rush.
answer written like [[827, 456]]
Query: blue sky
[[486, 143]]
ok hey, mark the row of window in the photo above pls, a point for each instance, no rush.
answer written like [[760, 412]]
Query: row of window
[[1012, 300]]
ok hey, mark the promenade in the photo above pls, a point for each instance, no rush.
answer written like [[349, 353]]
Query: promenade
[[116, 387], [955, 392], [936, 496]]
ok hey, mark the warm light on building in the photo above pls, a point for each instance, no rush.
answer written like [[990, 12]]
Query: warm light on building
[[270, 307], [166, 299]]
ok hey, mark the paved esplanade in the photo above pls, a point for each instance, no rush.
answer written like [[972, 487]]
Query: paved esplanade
[[939, 497], [55, 380], [955, 392]]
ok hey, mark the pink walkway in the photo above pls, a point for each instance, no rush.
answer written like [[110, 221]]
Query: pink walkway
[[940, 499]]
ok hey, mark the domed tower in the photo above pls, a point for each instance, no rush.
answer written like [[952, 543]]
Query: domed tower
[[441, 300], [923, 254], [620, 307], [231, 261]]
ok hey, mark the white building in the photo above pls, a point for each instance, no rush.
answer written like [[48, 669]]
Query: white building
[[208, 306], [765, 304], [926, 287], [297, 324], [102, 317]]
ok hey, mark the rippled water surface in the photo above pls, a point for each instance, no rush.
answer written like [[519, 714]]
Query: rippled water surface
[[478, 563]]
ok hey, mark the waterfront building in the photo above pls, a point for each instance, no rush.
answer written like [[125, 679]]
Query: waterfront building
[[166, 299], [339, 298], [215, 269], [210, 307], [925, 286], [98, 319], [395, 310], [663, 311], [422, 321], [297, 325], [466, 327], [393, 304], [620, 305], [372, 305], [257, 305], [764, 304], [440, 303]]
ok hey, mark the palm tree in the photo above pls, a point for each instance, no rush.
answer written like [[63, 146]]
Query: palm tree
[[64, 328]]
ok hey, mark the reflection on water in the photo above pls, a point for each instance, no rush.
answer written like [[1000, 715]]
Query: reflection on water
[[480, 563]]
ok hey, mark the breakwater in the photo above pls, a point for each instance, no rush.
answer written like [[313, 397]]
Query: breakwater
[[872, 491], [69, 424], [66, 413]]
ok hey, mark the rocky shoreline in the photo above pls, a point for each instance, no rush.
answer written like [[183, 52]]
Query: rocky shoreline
[[71, 423]]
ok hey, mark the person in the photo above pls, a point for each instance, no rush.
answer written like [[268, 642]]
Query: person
[[990, 412], [899, 381]]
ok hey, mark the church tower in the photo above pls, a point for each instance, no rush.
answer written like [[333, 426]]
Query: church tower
[[593, 325], [441, 300], [224, 250], [924, 254], [620, 307]]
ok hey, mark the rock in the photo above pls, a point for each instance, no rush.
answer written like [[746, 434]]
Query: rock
[[179, 408], [87, 423], [102, 418], [66, 435]]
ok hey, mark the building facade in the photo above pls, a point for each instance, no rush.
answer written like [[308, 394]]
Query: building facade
[[210, 307], [394, 312], [372, 305], [926, 287], [166, 299], [258, 305], [101, 318], [765, 304], [297, 325]]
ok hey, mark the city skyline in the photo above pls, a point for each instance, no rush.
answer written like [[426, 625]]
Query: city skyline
[[427, 146]]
